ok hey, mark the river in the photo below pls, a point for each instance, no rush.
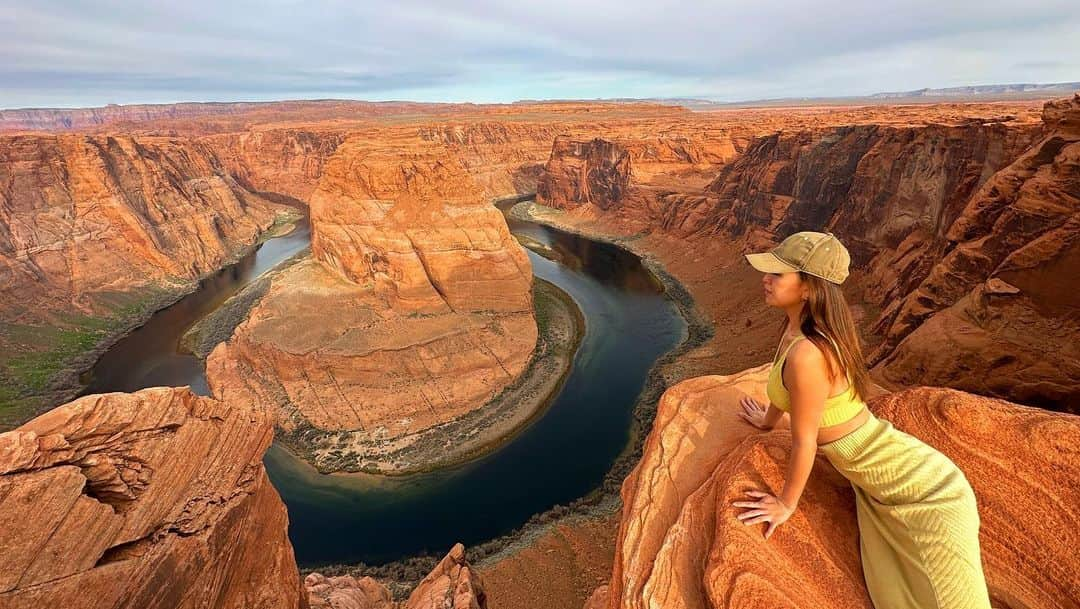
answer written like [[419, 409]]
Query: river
[[563, 455]]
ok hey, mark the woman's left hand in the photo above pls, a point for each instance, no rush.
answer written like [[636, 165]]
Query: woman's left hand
[[767, 508]]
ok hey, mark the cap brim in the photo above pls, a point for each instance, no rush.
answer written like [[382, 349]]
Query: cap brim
[[767, 262]]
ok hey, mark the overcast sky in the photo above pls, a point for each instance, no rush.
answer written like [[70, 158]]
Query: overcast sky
[[78, 53]]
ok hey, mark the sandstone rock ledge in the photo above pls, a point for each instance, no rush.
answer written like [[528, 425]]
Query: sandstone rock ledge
[[460, 439], [451, 585], [680, 545], [414, 310], [150, 499]]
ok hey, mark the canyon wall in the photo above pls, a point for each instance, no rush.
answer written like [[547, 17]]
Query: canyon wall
[[286, 160], [680, 545], [594, 172], [431, 299], [95, 233], [82, 215], [628, 175], [940, 219], [151, 499], [998, 311]]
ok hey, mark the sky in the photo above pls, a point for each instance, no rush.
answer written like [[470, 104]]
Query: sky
[[76, 54]]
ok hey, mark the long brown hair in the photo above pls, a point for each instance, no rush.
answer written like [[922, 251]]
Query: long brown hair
[[826, 315]]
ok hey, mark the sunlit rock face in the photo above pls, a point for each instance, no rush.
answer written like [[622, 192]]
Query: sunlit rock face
[[150, 499], [96, 233], [414, 309], [85, 217], [452, 584], [1002, 300], [680, 544]]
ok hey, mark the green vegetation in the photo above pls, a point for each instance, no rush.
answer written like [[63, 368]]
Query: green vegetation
[[38, 362], [35, 358]]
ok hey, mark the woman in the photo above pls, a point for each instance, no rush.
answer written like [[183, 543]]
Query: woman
[[917, 516]]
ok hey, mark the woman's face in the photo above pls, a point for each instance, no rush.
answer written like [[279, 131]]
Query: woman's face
[[783, 289]]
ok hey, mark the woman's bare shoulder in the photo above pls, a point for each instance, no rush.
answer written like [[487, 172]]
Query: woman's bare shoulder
[[806, 353]]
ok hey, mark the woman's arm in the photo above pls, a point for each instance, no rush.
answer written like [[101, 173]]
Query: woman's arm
[[807, 379], [773, 416]]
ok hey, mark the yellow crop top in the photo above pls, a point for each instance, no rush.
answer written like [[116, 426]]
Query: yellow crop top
[[838, 408]]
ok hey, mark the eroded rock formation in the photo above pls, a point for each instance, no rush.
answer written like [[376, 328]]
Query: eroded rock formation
[[596, 172], [941, 219], [431, 299], [83, 215], [96, 231], [286, 160], [680, 544], [152, 499], [452, 584], [1001, 298]]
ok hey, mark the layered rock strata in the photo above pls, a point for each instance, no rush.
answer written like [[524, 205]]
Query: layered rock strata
[[96, 232], [680, 544], [943, 220], [1001, 298], [152, 499], [415, 309], [82, 215], [452, 584]]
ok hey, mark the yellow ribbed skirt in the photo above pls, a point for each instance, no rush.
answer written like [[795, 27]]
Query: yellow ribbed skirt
[[918, 521]]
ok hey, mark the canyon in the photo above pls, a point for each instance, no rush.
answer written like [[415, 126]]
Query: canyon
[[95, 233], [947, 225], [416, 307]]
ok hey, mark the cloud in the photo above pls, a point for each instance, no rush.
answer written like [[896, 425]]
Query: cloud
[[73, 53]]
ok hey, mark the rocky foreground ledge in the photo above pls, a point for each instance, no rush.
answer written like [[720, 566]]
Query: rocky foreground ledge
[[150, 499], [159, 499], [680, 545]]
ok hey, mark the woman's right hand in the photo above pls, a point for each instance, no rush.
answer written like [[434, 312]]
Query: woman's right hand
[[753, 412]]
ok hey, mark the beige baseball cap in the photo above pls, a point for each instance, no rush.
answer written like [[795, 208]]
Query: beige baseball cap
[[819, 254]]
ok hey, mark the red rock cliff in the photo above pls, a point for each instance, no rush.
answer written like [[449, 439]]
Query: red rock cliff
[[286, 160], [95, 233], [82, 215], [431, 301], [996, 312], [680, 544], [152, 499], [941, 218], [596, 172]]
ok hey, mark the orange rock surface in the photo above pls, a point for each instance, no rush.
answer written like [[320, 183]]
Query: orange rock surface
[[82, 216], [932, 208], [452, 584], [998, 312], [431, 299], [96, 232], [680, 544], [151, 499]]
